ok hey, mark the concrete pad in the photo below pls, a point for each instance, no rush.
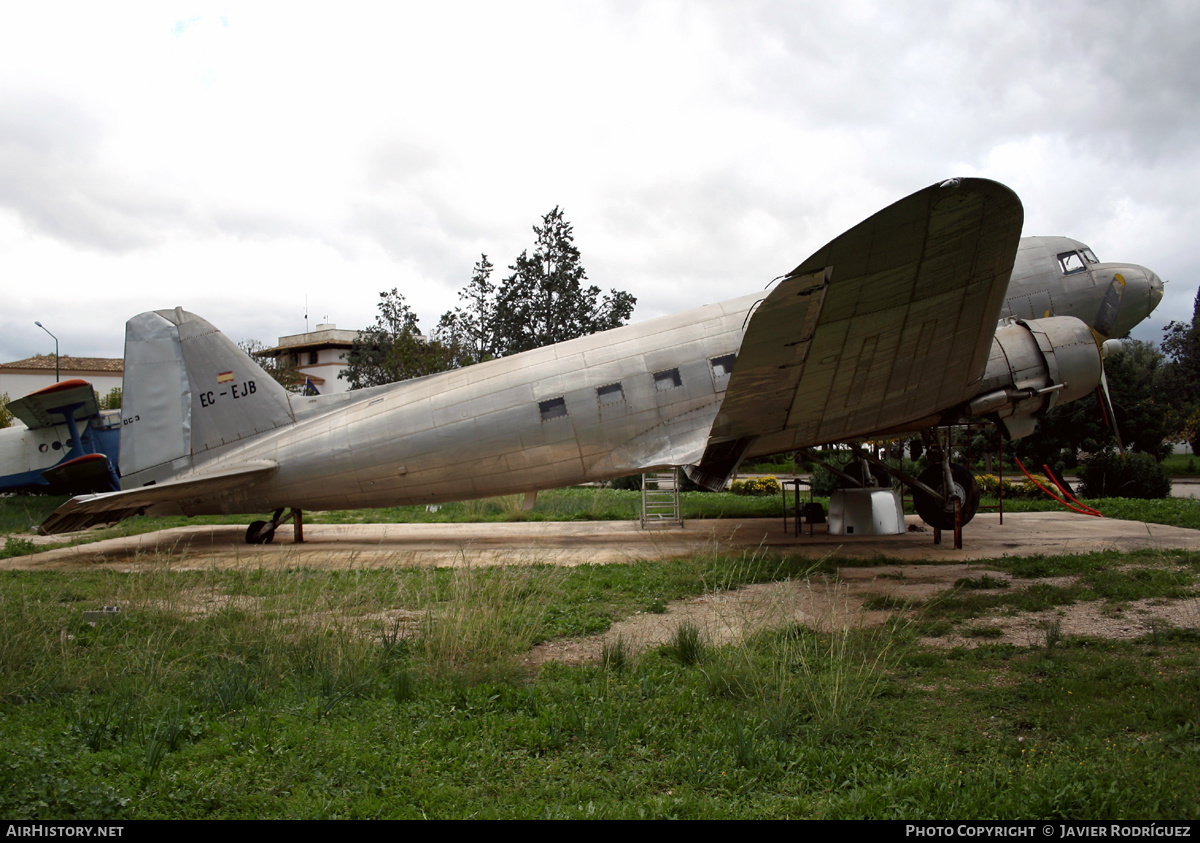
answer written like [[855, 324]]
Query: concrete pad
[[584, 542]]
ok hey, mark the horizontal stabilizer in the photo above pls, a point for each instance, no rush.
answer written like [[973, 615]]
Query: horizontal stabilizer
[[87, 474], [46, 407], [85, 511]]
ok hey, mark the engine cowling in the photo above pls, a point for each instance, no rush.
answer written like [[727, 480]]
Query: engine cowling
[[1034, 365]]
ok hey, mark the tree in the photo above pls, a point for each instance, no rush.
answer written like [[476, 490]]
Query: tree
[[6, 416], [1135, 374], [544, 300], [112, 401], [1181, 378], [393, 349], [473, 327], [282, 368]]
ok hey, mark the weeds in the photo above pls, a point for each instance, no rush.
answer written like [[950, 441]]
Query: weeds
[[687, 645], [1052, 633], [614, 655], [167, 735], [14, 546], [985, 582], [486, 619]]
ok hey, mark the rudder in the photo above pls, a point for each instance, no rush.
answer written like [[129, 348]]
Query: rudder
[[188, 392]]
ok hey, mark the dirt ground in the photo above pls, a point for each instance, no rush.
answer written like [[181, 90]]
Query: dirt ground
[[910, 568], [838, 603]]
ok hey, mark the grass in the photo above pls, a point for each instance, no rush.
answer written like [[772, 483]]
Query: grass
[[405, 693], [1181, 465]]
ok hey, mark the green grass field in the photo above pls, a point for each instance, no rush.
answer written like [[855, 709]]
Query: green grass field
[[410, 693], [405, 693]]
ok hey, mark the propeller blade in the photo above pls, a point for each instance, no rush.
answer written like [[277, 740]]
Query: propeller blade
[[1106, 408]]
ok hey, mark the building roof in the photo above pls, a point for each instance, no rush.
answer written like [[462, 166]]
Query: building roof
[[326, 336], [46, 362]]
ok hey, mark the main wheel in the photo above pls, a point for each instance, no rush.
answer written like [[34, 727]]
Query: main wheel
[[255, 536], [933, 511]]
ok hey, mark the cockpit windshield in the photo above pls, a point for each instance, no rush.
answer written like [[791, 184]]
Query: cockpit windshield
[[1073, 262]]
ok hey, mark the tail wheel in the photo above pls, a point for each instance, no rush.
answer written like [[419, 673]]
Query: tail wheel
[[937, 513], [256, 535]]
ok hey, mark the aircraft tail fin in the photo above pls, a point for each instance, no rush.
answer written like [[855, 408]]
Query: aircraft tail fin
[[189, 391]]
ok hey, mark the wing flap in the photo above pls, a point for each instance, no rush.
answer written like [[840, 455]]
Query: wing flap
[[85, 511]]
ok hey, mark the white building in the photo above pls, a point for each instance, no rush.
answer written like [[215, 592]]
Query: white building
[[320, 356]]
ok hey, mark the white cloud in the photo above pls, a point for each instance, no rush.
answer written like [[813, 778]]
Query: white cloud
[[236, 158]]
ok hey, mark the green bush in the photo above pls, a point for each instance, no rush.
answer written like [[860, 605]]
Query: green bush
[[990, 485], [1134, 475], [756, 486], [629, 483]]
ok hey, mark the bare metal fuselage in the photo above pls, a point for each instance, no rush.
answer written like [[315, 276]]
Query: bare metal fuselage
[[479, 431], [487, 430]]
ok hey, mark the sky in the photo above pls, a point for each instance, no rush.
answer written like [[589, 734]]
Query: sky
[[258, 163]]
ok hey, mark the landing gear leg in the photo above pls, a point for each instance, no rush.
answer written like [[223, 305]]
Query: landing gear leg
[[263, 532], [956, 501]]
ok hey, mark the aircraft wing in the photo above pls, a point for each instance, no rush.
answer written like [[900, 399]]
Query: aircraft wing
[[887, 325], [44, 407], [85, 511]]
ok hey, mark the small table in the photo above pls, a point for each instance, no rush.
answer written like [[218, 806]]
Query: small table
[[797, 512]]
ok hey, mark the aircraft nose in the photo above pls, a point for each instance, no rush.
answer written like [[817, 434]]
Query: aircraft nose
[[1156, 288], [1132, 293]]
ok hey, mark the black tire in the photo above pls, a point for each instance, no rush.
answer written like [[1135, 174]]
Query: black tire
[[935, 513], [253, 536]]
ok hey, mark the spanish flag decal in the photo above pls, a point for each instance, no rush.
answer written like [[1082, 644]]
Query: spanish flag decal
[[224, 377]]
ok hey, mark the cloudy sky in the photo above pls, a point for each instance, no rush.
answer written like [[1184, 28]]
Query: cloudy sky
[[254, 162]]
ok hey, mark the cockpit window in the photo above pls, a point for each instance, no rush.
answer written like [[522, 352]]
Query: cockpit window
[[1089, 256], [1071, 262]]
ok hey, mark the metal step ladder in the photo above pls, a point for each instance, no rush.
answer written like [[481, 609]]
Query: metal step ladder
[[660, 499]]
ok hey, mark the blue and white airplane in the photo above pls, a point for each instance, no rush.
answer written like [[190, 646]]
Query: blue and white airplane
[[67, 445]]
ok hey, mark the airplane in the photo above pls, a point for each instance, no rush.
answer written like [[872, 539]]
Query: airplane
[[68, 445], [911, 320]]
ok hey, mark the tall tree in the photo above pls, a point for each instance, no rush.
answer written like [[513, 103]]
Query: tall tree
[[1181, 378], [393, 349], [544, 301], [473, 326]]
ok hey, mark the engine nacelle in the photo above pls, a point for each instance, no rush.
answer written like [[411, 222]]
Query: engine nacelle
[[1036, 364]]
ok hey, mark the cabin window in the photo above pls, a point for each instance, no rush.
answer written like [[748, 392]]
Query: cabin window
[[723, 365], [1071, 262], [667, 380], [555, 408], [610, 394]]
